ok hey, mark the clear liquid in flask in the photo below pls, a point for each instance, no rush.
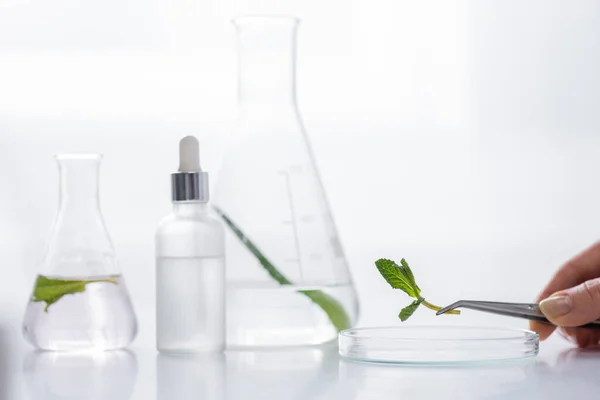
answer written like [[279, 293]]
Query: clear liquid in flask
[[259, 311], [99, 318]]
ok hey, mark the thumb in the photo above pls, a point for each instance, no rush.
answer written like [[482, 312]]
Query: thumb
[[575, 306]]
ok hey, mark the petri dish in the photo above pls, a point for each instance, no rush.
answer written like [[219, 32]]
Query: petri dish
[[437, 345]]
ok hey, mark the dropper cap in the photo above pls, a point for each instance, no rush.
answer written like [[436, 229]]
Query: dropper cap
[[190, 183]]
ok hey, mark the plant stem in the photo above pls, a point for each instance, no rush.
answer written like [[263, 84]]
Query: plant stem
[[333, 308], [270, 268], [438, 308], [109, 280]]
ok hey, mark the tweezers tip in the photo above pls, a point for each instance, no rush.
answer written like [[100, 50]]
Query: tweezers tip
[[448, 308]]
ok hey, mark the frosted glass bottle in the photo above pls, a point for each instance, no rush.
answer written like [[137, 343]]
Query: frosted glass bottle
[[288, 282], [80, 301], [190, 270]]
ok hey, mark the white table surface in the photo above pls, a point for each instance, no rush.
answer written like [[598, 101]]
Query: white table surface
[[560, 371]]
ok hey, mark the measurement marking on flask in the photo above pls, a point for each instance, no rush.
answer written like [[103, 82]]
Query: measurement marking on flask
[[288, 184]]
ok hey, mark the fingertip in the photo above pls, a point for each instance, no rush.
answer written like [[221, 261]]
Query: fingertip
[[542, 329], [595, 341], [567, 334], [583, 339], [575, 306]]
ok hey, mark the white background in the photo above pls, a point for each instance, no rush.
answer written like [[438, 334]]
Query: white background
[[461, 135]]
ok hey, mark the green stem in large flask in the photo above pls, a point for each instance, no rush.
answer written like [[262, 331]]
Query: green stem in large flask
[[333, 308]]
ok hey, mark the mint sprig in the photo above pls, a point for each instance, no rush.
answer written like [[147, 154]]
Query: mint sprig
[[401, 277], [333, 308]]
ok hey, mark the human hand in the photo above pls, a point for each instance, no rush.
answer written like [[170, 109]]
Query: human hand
[[572, 298]]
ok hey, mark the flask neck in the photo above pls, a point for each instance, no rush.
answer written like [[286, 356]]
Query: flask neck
[[80, 244], [266, 61], [79, 181]]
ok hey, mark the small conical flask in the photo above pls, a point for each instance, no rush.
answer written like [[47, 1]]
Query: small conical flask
[[288, 282], [80, 300]]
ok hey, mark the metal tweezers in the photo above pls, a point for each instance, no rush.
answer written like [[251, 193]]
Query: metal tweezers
[[528, 311]]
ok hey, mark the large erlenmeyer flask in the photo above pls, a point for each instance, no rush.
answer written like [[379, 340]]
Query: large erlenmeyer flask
[[288, 281], [79, 300]]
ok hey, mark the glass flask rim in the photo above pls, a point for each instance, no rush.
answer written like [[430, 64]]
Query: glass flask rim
[[371, 346], [266, 19], [78, 156]]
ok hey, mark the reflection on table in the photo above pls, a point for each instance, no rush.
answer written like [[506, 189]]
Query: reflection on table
[[107, 375], [301, 373], [185, 377]]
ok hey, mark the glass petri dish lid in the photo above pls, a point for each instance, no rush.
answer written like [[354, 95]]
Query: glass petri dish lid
[[437, 345]]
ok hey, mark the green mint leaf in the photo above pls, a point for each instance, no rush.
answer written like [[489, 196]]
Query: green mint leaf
[[401, 277], [397, 277], [410, 309], [333, 308], [52, 290], [409, 274]]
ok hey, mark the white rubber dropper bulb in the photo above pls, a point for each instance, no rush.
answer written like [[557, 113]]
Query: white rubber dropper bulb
[[189, 155]]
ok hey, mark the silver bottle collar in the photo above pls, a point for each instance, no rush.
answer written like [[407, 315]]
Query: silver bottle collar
[[189, 186]]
